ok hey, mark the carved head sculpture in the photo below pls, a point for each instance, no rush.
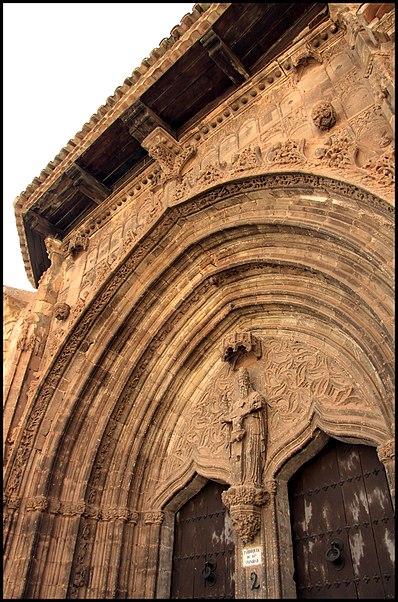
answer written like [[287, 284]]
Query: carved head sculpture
[[61, 311]]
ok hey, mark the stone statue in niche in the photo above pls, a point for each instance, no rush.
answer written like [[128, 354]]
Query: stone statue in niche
[[247, 417]]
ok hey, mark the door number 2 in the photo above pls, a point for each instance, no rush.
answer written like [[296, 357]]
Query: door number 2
[[254, 579]]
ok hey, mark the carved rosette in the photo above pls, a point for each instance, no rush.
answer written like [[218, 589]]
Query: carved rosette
[[244, 505], [323, 115]]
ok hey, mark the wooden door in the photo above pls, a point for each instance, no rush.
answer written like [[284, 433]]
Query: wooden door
[[342, 525], [204, 548]]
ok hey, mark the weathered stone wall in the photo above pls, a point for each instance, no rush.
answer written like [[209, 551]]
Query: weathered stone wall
[[270, 222]]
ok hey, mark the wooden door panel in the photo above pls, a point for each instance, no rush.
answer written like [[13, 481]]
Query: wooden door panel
[[341, 498], [203, 539]]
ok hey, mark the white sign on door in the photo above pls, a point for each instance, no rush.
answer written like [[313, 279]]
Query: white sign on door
[[251, 556]]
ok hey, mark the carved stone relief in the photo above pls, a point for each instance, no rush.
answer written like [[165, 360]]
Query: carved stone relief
[[323, 115], [293, 380], [61, 311], [338, 151], [246, 419], [287, 152]]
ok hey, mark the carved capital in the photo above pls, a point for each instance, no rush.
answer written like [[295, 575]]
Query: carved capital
[[243, 495], [244, 505], [133, 517], [72, 508], [386, 451], [38, 502], [153, 518], [246, 521]]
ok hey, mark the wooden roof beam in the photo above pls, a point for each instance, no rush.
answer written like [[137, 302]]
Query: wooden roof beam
[[141, 121], [41, 225], [224, 58], [88, 184]]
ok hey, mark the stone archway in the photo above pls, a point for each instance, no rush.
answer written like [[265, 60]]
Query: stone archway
[[261, 255]]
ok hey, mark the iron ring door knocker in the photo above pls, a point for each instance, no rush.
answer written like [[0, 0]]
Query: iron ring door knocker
[[208, 572], [333, 555]]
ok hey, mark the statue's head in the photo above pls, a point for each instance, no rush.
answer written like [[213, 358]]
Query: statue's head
[[243, 377]]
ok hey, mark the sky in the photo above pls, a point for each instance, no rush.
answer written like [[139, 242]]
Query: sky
[[61, 61]]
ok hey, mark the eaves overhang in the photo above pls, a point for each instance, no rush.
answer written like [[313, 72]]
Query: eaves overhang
[[212, 52]]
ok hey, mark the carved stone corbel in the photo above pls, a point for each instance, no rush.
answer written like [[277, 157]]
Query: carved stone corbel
[[168, 152], [76, 244], [244, 505]]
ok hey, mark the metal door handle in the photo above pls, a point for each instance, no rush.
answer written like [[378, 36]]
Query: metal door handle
[[208, 572], [333, 555]]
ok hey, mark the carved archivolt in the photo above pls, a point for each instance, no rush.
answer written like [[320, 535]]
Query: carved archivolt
[[79, 330]]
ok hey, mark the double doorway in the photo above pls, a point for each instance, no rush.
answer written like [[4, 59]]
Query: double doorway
[[342, 532]]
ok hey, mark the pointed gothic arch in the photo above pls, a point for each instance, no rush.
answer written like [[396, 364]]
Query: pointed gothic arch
[[236, 255]]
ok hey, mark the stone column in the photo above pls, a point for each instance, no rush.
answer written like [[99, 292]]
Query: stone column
[[386, 453], [154, 521], [245, 507]]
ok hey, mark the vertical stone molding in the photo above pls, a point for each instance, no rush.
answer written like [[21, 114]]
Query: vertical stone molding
[[386, 453]]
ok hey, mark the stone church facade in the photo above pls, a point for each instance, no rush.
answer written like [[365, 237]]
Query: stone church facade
[[214, 261]]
